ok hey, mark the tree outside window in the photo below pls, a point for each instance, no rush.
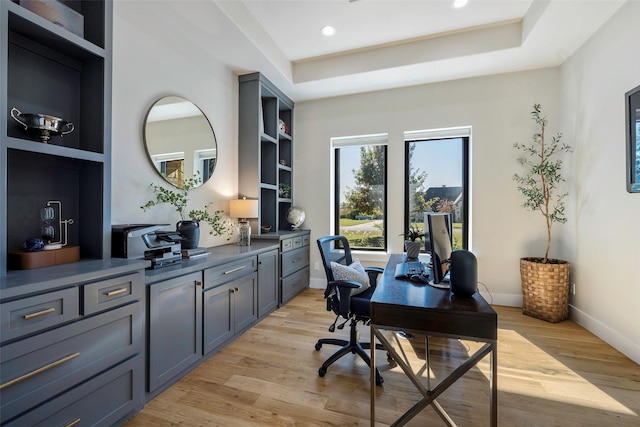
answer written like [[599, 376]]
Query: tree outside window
[[361, 195]]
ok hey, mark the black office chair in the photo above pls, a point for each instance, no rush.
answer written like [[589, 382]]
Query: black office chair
[[353, 308]]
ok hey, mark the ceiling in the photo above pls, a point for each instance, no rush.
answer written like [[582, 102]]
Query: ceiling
[[382, 44]]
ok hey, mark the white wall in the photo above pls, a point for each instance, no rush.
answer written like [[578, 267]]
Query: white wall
[[154, 56], [497, 108], [603, 232]]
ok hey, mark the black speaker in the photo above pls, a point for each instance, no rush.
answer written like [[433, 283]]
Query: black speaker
[[463, 273]]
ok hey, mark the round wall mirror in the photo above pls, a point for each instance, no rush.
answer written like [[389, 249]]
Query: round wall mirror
[[180, 141]]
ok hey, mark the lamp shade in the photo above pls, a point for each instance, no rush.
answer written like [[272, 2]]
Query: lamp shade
[[243, 208]]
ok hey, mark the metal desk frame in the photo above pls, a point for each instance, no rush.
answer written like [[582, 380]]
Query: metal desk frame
[[436, 308]]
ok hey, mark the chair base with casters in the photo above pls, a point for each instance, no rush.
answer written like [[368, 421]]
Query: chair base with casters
[[345, 279], [353, 345]]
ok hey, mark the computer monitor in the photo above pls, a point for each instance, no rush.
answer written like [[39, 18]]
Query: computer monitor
[[439, 241]]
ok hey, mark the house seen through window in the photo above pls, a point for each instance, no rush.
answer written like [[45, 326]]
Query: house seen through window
[[436, 179]]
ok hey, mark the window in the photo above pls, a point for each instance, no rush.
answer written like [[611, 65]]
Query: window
[[361, 191], [205, 163], [437, 178], [171, 166]]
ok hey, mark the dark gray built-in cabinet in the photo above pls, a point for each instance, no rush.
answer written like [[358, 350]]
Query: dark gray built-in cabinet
[[72, 344], [265, 173], [46, 69], [230, 301], [175, 327], [197, 307], [293, 261], [268, 278], [265, 150], [72, 335]]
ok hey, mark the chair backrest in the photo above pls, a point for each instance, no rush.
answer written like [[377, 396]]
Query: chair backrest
[[334, 249]]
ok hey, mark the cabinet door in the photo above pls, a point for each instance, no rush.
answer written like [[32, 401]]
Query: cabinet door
[[175, 327], [217, 317], [267, 282], [245, 302]]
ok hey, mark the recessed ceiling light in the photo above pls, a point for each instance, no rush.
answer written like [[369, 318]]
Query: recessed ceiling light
[[459, 4], [328, 30]]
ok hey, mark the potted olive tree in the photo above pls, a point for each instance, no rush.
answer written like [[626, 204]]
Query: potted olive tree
[[545, 281], [189, 224]]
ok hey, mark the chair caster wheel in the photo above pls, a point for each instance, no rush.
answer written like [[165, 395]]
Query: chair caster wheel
[[321, 372], [318, 347], [379, 380]]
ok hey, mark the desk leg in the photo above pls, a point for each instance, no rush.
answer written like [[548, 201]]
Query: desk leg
[[373, 375], [494, 384]]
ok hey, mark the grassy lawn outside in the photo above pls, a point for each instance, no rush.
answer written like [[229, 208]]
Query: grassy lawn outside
[[372, 236]]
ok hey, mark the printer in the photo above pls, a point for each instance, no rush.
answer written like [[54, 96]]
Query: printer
[[146, 241]]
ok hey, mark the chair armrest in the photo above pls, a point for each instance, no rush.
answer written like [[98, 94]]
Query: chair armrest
[[340, 290], [373, 273]]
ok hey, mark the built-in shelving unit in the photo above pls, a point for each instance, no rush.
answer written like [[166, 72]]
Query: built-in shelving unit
[[265, 150], [47, 69]]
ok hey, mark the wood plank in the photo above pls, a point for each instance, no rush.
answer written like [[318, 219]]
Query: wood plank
[[548, 375]]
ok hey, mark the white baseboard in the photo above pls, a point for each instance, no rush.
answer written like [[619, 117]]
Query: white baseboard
[[507, 300], [612, 337]]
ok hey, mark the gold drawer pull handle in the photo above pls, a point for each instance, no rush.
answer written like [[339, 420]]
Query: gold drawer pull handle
[[39, 313], [235, 269], [117, 292], [73, 423], [39, 370]]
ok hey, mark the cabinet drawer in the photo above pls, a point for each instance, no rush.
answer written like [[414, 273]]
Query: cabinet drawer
[[294, 260], [297, 242], [287, 245], [230, 271], [294, 284], [35, 313], [111, 293], [36, 368], [102, 401], [306, 239]]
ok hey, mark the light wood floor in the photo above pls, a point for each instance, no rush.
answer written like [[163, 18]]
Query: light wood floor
[[548, 375]]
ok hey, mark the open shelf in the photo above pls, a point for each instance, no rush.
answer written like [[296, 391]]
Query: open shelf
[[266, 148], [47, 69]]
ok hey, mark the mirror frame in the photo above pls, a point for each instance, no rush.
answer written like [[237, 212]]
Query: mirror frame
[[179, 144]]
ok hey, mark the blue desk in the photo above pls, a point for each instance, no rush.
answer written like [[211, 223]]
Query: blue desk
[[401, 305]]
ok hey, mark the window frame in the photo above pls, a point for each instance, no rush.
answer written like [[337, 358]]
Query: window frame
[[360, 141], [464, 134]]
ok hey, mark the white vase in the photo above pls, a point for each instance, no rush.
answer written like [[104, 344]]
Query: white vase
[[412, 248]]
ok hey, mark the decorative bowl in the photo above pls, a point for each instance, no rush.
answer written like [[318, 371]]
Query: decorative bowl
[[47, 126], [265, 228]]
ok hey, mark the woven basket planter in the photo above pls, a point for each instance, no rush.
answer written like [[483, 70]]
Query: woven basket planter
[[545, 288]]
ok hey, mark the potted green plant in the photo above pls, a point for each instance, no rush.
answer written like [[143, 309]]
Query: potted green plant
[[545, 281], [284, 190], [411, 246], [189, 224]]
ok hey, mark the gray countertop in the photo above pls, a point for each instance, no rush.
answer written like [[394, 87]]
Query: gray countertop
[[218, 255], [21, 283]]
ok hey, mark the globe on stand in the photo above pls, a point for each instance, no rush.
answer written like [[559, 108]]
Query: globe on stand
[[295, 217]]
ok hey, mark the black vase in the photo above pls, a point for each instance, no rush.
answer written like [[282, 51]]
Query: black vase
[[190, 232]]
